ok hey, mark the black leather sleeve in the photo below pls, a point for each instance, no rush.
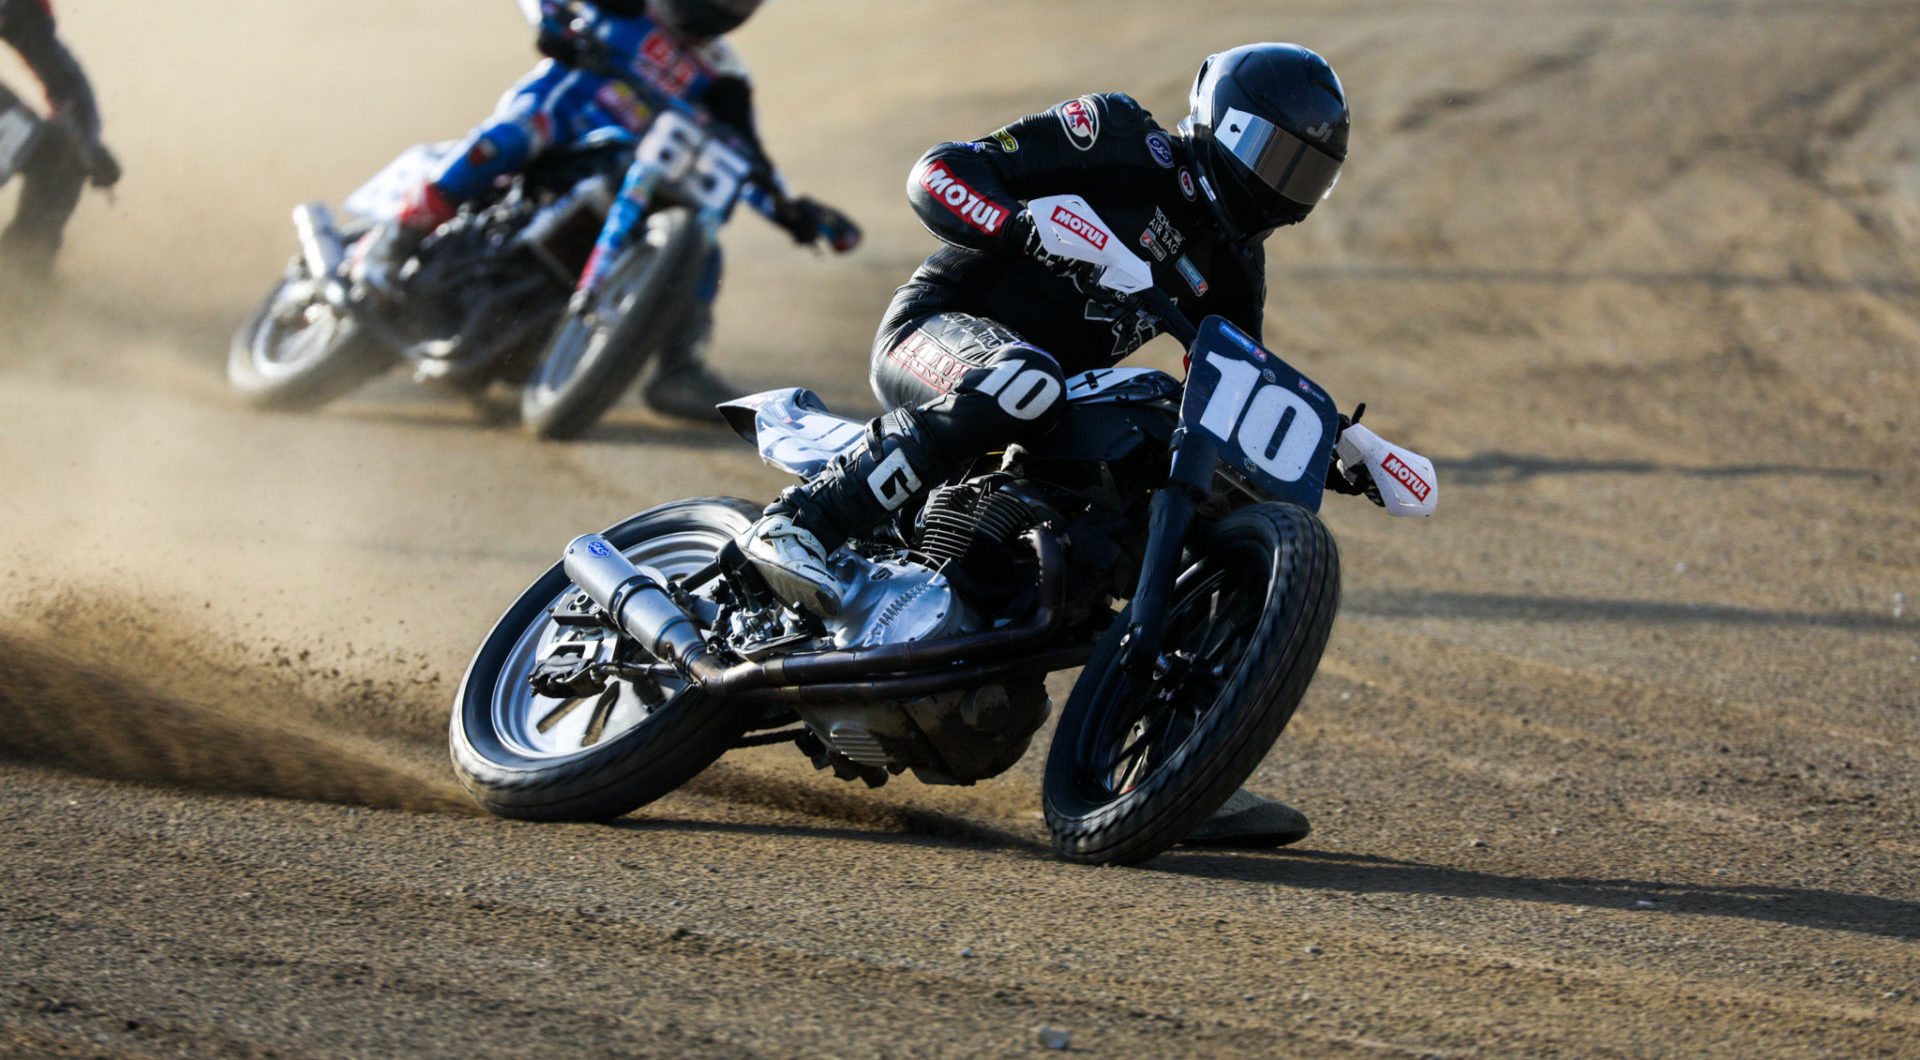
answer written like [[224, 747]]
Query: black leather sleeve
[[28, 26], [965, 193], [730, 101]]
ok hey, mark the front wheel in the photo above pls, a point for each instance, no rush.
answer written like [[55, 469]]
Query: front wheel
[[1146, 752], [298, 351], [594, 757], [599, 351]]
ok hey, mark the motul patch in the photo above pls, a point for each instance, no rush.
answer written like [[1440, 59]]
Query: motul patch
[[1080, 226], [968, 205], [1406, 476], [1081, 121]]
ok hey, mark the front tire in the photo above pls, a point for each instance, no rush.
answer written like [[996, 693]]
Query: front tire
[[598, 353], [297, 351], [1140, 759], [594, 758]]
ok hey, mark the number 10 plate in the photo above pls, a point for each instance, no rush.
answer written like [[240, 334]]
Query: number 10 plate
[[1274, 426]]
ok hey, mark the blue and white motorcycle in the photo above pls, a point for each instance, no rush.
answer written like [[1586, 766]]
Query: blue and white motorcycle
[[1164, 537], [565, 281]]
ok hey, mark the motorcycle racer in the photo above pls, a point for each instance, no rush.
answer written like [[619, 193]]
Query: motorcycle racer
[[975, 350], [60, 164], [677, 48]]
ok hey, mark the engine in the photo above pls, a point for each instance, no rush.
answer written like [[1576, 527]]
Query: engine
[[972, 532], [969, 567]]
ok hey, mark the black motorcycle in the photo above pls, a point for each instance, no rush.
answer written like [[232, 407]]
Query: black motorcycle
[[653, 648]]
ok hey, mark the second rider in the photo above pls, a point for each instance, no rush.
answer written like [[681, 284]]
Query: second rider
[[674, 46]]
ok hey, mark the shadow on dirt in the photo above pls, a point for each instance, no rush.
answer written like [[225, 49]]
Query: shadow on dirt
[[1369, 874], [872, 819], [1505, 607], [1484, 468]]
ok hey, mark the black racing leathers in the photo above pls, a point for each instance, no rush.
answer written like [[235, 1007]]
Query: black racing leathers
[[974, 351], [1137, 176], [27, 25], [54, 175]]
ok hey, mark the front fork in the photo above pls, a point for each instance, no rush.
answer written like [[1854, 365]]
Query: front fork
[[1169, 522]]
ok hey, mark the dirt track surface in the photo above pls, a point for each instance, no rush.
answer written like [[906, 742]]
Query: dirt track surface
[[1616, 756]]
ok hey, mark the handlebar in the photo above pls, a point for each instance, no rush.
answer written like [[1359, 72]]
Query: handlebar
[[1171, 318]]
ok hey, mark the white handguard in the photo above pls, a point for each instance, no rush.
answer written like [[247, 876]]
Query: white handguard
[[1069, 228], [1405, 478]]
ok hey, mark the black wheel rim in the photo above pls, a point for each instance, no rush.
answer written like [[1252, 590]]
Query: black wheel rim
[[1153, 710]]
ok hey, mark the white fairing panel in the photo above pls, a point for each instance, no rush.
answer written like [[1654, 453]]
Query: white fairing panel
[[1405, 478], [1069, 228], [529, 10], [380, 199], [793, 429]]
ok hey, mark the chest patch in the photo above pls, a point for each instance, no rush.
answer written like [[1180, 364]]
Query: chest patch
[[1192, 275], [1161, 239]]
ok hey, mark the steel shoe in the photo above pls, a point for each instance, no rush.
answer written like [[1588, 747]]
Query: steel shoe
[[1249, 821]]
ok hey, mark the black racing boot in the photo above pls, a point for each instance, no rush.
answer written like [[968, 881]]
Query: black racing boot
[[376, 271], [789, 546], [682, 385], [1250, 822]]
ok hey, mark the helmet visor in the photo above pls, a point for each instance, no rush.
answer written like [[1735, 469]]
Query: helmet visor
[[1299, 171]]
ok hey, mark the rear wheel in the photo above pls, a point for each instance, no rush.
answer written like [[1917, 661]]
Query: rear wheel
[[598, 353], [1145, 753], [595, 757], [298, 351]]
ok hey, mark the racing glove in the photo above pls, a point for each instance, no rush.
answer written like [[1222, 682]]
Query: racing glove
[[809, 222], [1022, 233]]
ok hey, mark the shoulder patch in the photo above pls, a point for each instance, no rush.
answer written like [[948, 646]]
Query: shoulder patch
[[1007, 141], [1081, 119], [1161, 149]]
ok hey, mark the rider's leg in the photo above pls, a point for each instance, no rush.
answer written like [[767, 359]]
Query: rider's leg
[[974, 386], [543, 108], [53, 180], [683, 385]]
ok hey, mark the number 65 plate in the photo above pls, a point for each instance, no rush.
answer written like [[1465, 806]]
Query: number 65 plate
[[1275, 427]]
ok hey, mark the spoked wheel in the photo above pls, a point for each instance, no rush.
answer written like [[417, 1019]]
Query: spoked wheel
[[1147, 751], [592, 757], [599, 351], [298, 351]]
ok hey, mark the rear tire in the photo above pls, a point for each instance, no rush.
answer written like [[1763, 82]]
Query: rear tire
[[539, 758], [596, 355], [296, 352], [1139, 761]]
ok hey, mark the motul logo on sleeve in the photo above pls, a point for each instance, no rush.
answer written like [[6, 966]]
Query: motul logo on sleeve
[[1406, 476], [1081, 227], [969, 205]]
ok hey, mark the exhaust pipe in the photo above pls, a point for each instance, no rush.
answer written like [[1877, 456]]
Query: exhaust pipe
[[319, 239], [638, 600]]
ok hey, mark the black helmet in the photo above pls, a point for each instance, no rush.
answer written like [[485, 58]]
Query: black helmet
[[704, 18], [1269, 126]]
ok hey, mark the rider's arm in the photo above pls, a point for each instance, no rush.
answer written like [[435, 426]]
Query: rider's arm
[[965, 193], [1244, 302], [29, 28]]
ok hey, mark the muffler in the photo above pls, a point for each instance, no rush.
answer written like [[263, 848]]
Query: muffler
[[638, 600], [319, 239]]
